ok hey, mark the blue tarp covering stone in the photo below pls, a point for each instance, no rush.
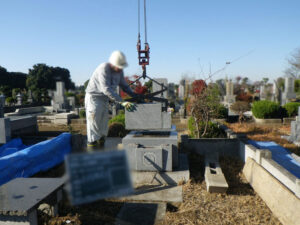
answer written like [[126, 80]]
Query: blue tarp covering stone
[[26, 161], [280, 155]]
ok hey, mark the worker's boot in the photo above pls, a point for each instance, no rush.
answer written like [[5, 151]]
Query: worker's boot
[[101, 141], [91, 146]]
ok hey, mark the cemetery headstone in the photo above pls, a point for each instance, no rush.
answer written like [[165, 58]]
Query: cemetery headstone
[[19, 99], [229, 98], [98, 175], [262, 92], [181, 91], [29, 99], [59, 101], [289, 92]]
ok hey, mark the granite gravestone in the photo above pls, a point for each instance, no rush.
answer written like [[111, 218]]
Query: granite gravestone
[[229, 98], [289, 92], [181, 91], [19, 99], [59, 99], [98, 175]]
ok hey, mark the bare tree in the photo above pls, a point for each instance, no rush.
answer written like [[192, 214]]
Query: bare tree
[[205, 106], [240, 107], [294, 64]]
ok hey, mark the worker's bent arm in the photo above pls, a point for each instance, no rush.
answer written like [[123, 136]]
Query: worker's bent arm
[[104, 79], [125, 87]]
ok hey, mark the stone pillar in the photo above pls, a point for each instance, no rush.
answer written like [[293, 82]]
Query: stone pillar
[[181, 91], [19, 99], [289, 90], [229, 98], [262, 92], [29, 99], [59, 99]]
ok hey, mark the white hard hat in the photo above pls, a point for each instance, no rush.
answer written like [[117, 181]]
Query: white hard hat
[[118, 59]]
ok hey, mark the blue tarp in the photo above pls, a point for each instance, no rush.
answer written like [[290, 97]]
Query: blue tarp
[[18, 160], [280, 155]]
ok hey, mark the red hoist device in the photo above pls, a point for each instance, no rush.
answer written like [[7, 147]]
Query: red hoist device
[[143, 54], [144, 57]]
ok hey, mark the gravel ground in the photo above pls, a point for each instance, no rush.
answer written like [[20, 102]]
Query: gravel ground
[[240, 205]]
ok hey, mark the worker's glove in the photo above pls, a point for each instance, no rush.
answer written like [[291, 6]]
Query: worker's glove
[[128, 106]]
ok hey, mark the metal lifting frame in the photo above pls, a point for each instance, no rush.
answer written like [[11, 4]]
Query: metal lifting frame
[[144, 57]]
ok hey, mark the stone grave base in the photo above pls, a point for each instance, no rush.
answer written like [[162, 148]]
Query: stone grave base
[[178, 176]]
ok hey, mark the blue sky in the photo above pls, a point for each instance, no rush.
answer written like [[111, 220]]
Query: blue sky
[[185, 37]]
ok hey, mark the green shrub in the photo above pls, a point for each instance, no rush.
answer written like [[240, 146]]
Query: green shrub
[[222, 112], [82, 113], [266, 109], [70, 94], [116, 130], [213, 131], [120, 118], [292, 108]]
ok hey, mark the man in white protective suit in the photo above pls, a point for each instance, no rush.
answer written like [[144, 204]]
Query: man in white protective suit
[[102, 88]]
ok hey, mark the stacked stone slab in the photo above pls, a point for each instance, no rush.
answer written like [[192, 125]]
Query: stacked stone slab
[[152, 143]]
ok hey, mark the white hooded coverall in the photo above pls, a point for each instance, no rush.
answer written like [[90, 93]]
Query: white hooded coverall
[[102, 87]]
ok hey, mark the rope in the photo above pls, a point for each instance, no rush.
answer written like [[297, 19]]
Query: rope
[[139, 25], [145, 21]]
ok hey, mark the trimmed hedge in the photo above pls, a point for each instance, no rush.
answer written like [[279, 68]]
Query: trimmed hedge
[[292, 108], [267, 110]]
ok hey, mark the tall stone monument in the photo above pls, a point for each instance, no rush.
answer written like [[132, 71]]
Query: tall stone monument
[[19, 99], [181, 91], [229, 98], [275, 92], [59, 99], [262, 92], [289, 90]]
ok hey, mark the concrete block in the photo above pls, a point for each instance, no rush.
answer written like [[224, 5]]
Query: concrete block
[[152, 139], [21, 197], [23, 125], [283, 203], [214, 177], [5, 130], [147, 116]]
